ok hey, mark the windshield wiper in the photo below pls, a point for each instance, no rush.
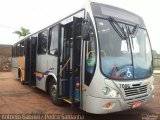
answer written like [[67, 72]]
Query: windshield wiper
[[130, 33], [133, 33], [120, 30]]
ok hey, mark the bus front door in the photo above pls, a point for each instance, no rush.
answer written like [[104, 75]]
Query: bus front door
[[69, 83]]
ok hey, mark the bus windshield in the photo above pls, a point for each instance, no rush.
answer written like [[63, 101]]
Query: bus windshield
[[120, 58]]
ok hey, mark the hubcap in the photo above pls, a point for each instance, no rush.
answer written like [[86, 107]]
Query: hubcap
[[21, 79], [53, 90]]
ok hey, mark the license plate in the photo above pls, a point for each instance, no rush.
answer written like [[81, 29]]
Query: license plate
[[136, 104]]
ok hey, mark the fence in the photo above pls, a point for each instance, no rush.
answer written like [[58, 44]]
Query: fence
[[156, 62], [5, 58]]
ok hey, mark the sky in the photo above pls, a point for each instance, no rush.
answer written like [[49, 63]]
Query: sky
[[37, 14]]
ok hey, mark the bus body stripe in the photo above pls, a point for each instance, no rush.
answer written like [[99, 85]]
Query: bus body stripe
[[40, 76]]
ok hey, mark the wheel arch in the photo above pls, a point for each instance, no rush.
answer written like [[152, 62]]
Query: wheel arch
[[49, 77]]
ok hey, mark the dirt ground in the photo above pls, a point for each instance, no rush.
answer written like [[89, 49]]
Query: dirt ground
[[22, 99]]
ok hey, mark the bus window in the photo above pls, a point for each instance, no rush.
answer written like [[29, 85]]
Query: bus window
[[22, 49], [42, 42], [14, 51], [53, 41], [17, 49], [90, 55]]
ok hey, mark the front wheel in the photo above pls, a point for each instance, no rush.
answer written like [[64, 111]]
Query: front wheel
[[53, 93]]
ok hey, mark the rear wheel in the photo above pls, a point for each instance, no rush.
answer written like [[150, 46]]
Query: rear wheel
[[53, 93]]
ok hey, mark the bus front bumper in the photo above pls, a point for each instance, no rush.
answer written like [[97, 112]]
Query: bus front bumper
[[103, 106]]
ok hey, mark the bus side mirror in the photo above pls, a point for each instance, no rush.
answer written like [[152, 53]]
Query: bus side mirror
[[56, 52], [85, 32]]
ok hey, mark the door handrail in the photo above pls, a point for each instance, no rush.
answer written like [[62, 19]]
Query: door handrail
[[65, 66]]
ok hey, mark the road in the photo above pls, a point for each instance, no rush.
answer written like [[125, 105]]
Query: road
[[22, 99]]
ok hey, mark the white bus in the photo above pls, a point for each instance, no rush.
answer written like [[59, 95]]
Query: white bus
[[98, 59]]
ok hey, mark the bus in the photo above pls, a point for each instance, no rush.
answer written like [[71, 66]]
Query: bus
[[98, 59]]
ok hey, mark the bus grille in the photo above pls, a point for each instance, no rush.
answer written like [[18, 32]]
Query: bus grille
[[135, 90]]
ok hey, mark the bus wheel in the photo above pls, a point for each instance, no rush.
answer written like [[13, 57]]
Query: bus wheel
[[53, 93]]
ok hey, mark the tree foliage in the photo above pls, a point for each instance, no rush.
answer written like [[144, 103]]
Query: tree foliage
[[22, 32]]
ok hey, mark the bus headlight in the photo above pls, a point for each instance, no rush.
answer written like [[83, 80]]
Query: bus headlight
[[111, 92], [151, 87], [106, 90]]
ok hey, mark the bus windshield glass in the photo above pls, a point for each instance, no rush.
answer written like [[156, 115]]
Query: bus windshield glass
[[120, 58]]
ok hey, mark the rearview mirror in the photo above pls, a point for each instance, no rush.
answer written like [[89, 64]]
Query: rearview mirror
[[85, 32], [56, 52]]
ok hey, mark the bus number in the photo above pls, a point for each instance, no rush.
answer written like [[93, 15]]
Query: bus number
[[124, 86]]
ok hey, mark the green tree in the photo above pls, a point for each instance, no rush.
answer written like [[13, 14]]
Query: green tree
[[22, 32]]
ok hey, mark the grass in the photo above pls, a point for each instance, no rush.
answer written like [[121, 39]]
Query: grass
[[157, 68]]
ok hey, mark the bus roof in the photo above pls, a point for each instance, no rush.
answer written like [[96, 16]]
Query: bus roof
[[102, 10], [105, 11], [48, 26]]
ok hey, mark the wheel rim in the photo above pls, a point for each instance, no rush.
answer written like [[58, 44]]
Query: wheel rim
[[21, 79], [53, 90]]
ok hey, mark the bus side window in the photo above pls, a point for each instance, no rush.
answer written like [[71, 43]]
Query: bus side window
[[53, 41], [90, 60], [18, 50], [13, 51], [22, 48], [42, 42]]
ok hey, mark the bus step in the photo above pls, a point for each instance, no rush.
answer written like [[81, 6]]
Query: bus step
[[63, 80], [61, 98], [67, 100], [25, 82], [77, 101], [77, 104], [33, 86]]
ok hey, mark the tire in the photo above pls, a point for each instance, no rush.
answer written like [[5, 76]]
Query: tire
[[53, 93]]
